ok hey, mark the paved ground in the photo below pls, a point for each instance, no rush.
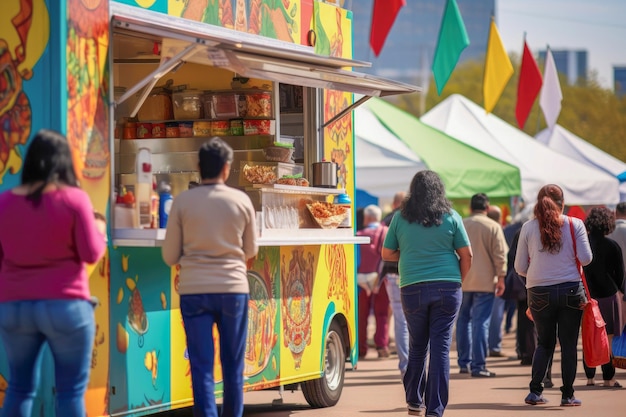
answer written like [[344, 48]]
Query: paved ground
[[375, 389]]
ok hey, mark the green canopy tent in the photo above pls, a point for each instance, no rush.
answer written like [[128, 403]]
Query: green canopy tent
[[464, 170]]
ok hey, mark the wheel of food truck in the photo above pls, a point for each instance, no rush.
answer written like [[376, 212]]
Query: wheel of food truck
[[325, 391]]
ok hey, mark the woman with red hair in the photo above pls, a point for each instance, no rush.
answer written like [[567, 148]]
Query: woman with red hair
[[547, 258]]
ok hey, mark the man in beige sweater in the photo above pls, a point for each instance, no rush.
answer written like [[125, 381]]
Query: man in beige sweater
[[211, 233], [484, 281]]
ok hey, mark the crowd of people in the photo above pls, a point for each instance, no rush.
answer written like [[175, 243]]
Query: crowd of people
[[478, 277]]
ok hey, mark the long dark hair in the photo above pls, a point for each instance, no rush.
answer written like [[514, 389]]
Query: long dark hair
[[548, 213], [427, 202], [48, 160]]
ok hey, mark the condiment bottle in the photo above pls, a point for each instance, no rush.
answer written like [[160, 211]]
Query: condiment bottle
[[344, 201], [165, 203]]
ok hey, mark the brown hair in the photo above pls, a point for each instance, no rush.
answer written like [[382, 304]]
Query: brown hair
[[548, 213]]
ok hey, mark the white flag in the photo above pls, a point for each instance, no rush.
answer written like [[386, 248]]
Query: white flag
[[551, 96]]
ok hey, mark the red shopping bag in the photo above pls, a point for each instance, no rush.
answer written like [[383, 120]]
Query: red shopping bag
[[596, 349]]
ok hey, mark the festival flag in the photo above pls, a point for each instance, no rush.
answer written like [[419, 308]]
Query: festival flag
[[452, 40], [498, 69], [528, 86], [551, 96], [383, 16]]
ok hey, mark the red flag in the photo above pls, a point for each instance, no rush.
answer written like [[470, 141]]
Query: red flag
[[528, 87], [383, 16]]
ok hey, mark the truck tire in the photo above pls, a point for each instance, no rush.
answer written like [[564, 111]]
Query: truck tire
[[325, 391]]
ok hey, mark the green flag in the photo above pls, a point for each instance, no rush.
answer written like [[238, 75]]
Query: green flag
[[452, 40]]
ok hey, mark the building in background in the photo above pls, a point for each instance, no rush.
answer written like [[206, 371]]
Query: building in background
[[619, 79], [569, 62], [408, 52]]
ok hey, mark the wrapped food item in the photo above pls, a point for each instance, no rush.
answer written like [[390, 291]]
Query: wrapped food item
[[187, 105], [327, 215], [259, 127]]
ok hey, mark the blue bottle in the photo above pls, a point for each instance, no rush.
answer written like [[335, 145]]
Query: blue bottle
[[165, 203]]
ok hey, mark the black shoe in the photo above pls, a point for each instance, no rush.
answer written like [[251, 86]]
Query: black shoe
[[526, 361], [464, 370], [483, 374], [547, 383]]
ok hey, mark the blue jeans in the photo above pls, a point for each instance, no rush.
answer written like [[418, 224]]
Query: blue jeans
[[472, 329], [430, 309], [556, 311], [399, 322], [68, 326], [495, 324], [230, 313]]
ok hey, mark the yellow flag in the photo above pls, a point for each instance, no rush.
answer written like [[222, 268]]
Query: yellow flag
[[498, 69]]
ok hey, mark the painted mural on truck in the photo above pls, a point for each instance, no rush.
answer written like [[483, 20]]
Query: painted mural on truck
[[24, 35]]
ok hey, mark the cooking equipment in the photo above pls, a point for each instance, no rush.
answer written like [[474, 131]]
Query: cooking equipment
[[324, 174]]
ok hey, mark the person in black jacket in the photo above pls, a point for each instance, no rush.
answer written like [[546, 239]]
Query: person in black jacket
[[605, 277]]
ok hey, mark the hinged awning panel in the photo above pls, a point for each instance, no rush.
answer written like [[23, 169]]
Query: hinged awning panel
[[250, 55]]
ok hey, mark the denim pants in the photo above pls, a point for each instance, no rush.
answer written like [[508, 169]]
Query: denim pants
[[472, 329], [400, 329], [556, 311], [495, 324], [430, 310], [230, 313], [68, 326]]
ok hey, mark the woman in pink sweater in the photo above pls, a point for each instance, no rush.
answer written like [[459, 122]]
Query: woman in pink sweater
[[48, 234]]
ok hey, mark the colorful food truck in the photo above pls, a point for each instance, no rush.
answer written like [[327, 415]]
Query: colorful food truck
[[137, 86]]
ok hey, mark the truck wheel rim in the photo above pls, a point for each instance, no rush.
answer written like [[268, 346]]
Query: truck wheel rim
[[333, 359]]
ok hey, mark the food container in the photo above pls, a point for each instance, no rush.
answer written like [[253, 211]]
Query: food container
[[224, 105], [171, 130], [201, 128], [157, 106], [327, 215], [259, 127], [220, 127], [324, 174], [185, 129], [158, 130], [236, 127], [252, 172], [187, 105], [259, 104], [144, 130], [278, 154], [129, 130]]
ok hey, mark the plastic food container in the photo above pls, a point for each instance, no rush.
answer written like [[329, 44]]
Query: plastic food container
[[129, 130], [158, 130], [171, 130], [224, 105], [259, 104], [187, 105], [252, 172], [144, 130], [185, 129], [236, 127], [201, 128], [259, 127], [220, 127], [158, 106]]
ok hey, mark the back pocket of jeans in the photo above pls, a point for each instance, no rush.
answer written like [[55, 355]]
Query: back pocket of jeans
[[69, 316], [538, 301], [576, 298], [450, 300]]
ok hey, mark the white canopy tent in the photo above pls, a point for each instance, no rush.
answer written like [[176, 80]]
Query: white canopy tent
[[567, 143], [539, 165], [384, 164]]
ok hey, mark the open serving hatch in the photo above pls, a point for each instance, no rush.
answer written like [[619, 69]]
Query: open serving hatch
[[183, 40]]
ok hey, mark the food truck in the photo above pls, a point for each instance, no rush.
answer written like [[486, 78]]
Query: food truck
[[137, 86]]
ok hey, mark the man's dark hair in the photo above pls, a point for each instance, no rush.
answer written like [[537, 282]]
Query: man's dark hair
[[213, 155], [621, 208], [479, 202]]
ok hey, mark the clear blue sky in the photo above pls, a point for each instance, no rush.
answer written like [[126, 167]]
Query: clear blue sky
[[599, 26]]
